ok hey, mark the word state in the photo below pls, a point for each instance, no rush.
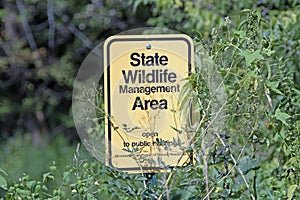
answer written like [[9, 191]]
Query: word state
[[149, 60]]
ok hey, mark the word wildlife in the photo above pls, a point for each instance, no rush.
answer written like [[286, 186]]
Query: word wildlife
[[148, 77]]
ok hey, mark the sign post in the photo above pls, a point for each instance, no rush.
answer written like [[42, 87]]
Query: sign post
[[143, 80]]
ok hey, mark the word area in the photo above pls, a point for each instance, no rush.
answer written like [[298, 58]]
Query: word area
[[150, 103]]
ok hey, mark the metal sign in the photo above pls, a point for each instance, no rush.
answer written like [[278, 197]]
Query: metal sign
[[143, 79]]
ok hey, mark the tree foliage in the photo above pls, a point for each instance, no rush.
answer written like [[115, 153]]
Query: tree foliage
[[42, 46]]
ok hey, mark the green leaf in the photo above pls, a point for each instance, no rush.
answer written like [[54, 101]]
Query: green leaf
[[3, 183], [188, 193], [246, 164], [117, 184], [245, 10], [281, 116], [66, 177], [90, 197], [22, 192], [273, 86], [136, 5], [3, 172], [250, 57], [240, 33], [52, 168], [269, 52], [258, 14], [296, 91], [31, 184], [44, 187], [291, 191], [269, 70], [47, 177]]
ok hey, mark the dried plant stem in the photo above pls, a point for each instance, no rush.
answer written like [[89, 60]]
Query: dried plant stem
[[234, 166], [25, 25], [51, 22], [205, 168]]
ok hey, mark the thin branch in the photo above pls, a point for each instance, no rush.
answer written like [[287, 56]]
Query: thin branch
[[51, 22], [237, 167], [25, 25], [190, 143], [205, 168], [86, 41], [73, 29], [232, 157]]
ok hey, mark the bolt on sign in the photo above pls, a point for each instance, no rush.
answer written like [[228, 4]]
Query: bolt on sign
[[143, 79]]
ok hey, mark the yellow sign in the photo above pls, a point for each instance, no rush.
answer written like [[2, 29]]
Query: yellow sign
[[143, 79]]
